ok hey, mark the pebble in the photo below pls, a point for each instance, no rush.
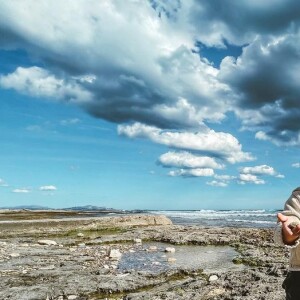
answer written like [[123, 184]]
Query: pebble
[[170, 250], [51, 267], [114, 267], [171, 259], [72, 297], [152, 248], [137, 241], [80, 234], [47, 242], [115, 254], [213, 278], [14, 255]]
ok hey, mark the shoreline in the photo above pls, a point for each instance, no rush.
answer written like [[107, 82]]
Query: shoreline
[[77, 263]]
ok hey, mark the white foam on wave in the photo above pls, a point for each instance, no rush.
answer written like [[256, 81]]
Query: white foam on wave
[[212, 214], [252, 221]]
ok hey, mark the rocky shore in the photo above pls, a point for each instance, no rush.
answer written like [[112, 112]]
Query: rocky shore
[[80, 258]]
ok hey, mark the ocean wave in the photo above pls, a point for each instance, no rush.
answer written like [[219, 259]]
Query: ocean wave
[[252, 221], [215, 214], [244, 218]]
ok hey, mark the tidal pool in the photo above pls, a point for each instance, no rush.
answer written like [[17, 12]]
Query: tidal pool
[[209, 258]]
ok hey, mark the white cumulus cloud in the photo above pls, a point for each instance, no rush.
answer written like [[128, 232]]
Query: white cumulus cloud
[[259, 170], [218, 144], [39, 82], [185, 159], [249, 178], [217, 183], [254, 174], [192, 172], [48, 188], [21, 191]]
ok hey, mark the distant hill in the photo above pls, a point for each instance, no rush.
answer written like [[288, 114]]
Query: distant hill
[[91, 207], [31, 207], [75, 208]]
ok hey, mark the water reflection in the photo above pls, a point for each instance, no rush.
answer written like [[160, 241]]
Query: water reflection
[[209, 258]]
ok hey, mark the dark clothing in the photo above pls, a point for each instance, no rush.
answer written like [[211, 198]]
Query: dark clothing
[[291, 284]]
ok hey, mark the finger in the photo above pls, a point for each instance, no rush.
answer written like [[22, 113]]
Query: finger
[[287, 229], [296, 230], [282, 218]]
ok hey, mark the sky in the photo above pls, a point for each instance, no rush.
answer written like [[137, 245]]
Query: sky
[[149, 104]]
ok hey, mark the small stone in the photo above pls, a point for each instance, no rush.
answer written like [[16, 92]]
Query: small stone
[[82, 245], [156, 263], [115, 254], [213, 278], [47, 242], [72, 297], [51, 267], [170, 250], [171, 259], [152, 248], [114, 267], [106, 267], [80, 234], [137, 241], [131, 251], [13, 255]]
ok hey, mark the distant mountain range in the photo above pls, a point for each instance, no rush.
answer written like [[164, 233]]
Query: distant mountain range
[[92, 207], [75, 208], [31, 207]]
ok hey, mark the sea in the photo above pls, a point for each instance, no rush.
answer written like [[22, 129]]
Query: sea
[[262, 218]]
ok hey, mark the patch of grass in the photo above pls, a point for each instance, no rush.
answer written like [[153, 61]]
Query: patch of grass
[[248, 261]]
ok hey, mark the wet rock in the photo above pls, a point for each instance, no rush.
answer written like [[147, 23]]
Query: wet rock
[[170, 250], [171, 259], [152, 248]]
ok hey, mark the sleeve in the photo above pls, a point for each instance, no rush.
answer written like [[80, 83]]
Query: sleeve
[[292, 210]]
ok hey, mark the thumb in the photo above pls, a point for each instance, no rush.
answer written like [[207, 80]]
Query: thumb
[[281, 217]]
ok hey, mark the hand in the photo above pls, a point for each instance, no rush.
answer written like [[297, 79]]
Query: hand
[[289, 234]]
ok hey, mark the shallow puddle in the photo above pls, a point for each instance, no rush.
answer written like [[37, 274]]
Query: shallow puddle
[[209, 258]]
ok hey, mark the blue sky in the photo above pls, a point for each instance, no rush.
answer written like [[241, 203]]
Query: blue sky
[[148, 104]]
